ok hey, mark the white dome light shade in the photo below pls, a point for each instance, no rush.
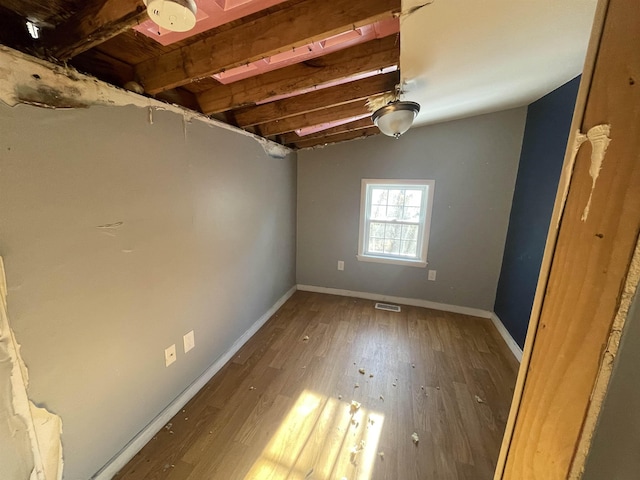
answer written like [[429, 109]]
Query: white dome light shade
[[174, 15], [395, 118]]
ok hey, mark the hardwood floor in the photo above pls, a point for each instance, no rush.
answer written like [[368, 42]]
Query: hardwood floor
[[281, 409]]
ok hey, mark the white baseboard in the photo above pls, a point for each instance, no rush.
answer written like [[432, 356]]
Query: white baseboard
[[414, 302], [508, 339], [141, 439]]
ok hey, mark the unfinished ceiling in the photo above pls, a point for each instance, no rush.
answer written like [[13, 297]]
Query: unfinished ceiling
[[301, 71]]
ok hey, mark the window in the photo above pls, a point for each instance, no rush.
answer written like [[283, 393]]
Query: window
[[395, 216]]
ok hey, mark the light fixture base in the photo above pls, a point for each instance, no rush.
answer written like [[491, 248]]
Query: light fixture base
[[395, 118]]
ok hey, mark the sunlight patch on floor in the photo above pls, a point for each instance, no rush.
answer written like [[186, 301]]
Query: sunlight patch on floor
[[321, 438]]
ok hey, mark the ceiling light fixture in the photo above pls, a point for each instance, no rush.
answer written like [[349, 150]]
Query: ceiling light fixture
[[396, 117], [174, 15]]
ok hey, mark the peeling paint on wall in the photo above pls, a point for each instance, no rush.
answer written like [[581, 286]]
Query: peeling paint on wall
[[29, 435], [27, 80]]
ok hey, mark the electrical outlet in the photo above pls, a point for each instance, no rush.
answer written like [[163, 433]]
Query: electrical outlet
[[170, 355], [340, 265], [189, 341], [432, 275]]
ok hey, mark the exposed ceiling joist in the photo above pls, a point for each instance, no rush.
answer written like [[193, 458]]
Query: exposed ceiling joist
[[296, 26], [104, 67], [331, 114], [314, 142], [294, 138], [363, 58], [317, 99], [93, 25]]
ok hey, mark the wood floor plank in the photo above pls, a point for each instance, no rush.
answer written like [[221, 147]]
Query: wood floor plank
[[280, 408]]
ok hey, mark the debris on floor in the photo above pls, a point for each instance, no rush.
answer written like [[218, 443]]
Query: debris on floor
[[381, 455], [357, 385], [381, 398], [371, 375], [413, 365], [361, 370], [479, 400], [305, 338], [308, 475], [339, 397], [354, 407], [252, 387], [415, 438], [355, 450]]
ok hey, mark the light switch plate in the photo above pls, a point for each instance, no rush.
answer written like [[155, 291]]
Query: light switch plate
[[340, 265]]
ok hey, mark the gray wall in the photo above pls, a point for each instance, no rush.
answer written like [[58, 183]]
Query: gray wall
[[207, 243], [615, 451], [473, 162]]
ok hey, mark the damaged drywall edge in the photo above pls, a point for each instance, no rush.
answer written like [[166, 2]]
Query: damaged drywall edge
[[29, 80], [606, 367], [599, 138], [43, 428]]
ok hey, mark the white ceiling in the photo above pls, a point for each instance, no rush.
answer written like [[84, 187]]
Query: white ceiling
[[461, 58]]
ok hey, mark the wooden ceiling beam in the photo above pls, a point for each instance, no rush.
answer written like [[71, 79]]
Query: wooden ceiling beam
[[292, 137], [314, 142], [317, 99], [301, 23], [331, 114], [95, 24], [366, 57]]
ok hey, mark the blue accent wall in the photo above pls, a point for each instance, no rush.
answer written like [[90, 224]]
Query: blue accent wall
[[545, 139]]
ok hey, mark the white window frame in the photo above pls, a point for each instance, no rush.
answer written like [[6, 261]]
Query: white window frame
[[424, 224]]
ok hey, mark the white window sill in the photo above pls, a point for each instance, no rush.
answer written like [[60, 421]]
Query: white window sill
[[392, 261]]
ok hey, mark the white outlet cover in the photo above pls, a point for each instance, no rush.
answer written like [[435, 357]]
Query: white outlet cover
[[170, 355], [189, 341], [432, 275], [340, 265]]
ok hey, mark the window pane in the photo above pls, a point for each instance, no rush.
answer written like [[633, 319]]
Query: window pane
[[410, 232], [392, 231], [413, 198], [396, 198], [394, 213], [376, 230], [378, 212], [379, 196], [411, 214], [392, 246], [376, 245], [409, 248]]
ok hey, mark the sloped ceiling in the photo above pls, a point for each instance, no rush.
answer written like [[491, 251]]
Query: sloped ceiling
[[460, 58]]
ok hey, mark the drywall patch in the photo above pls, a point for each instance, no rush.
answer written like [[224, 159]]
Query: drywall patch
[[28, 80], [599, 138], [579, 139], [606, 367], [34, 432]]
